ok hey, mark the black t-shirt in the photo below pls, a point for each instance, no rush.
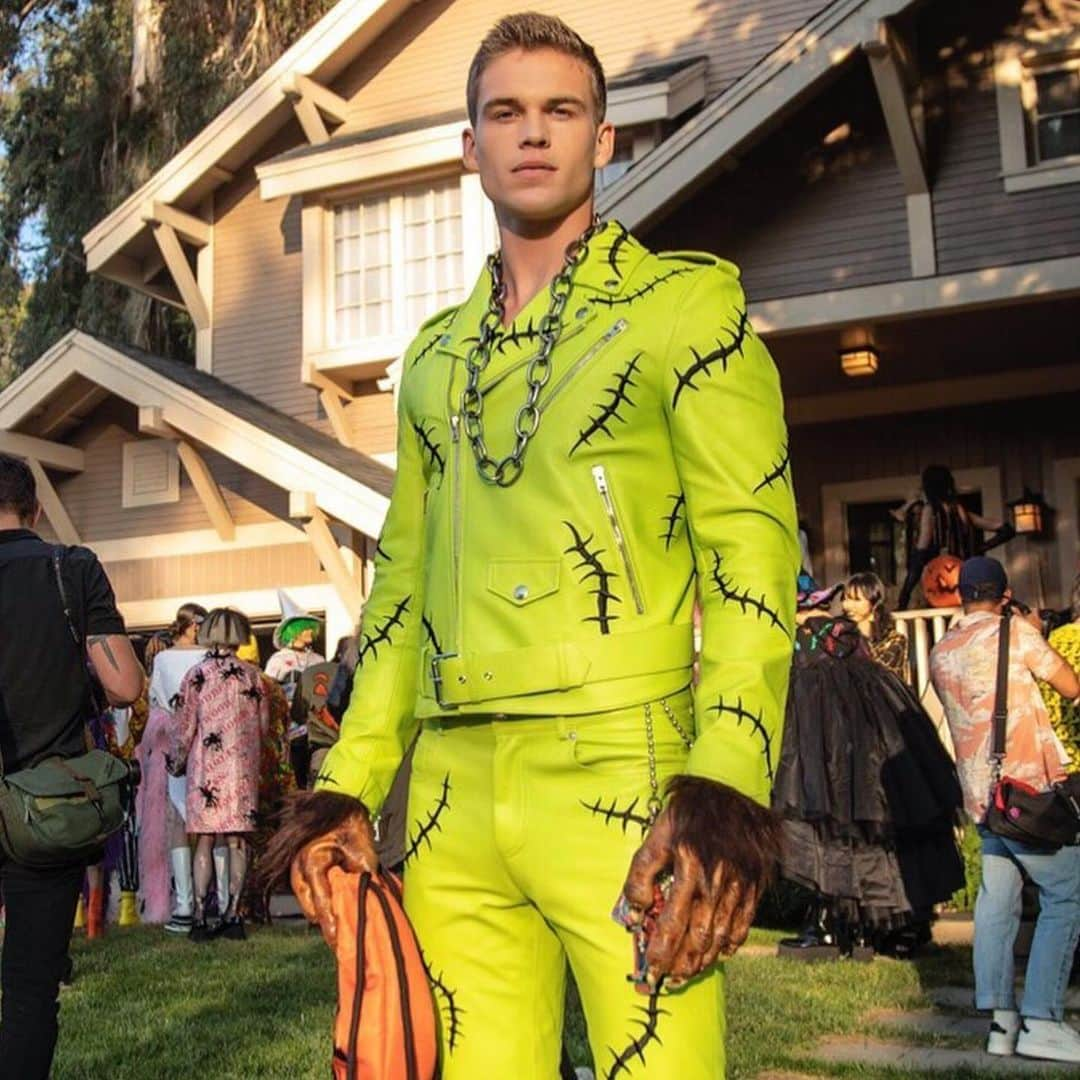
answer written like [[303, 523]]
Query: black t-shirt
[[44, 689]]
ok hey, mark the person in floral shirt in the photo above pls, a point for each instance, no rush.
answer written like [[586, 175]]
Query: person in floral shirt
[[963, 667]]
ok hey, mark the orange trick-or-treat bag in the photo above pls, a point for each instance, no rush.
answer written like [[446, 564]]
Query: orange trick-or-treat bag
[[385, 1024]]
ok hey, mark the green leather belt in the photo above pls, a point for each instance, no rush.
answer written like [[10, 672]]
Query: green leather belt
[[456, 679]]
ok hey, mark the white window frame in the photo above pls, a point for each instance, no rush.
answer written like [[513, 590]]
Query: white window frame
[[1015, 65], [129, 498]]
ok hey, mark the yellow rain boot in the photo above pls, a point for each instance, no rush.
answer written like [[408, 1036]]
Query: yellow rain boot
[[128, 915], [80, 914]]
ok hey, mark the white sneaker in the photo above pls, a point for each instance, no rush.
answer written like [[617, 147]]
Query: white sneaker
[[1004, 1029], [1050, 1040]]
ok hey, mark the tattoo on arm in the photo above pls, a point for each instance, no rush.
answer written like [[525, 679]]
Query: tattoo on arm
[[106, 648]]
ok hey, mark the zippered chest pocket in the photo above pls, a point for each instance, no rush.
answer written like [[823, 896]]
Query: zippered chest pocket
[[618, 533]]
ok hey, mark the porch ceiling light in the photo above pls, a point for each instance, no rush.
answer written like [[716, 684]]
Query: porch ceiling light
[[862, 360], [1029, 513]]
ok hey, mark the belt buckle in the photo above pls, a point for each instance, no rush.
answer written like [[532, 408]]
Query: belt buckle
[[437, 679]]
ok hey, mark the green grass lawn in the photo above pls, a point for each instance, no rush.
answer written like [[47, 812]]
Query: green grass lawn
[[148, 1006]]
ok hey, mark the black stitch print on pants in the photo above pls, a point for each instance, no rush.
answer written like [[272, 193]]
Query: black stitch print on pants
[[624, 816], [446, 999], [704, 362], [596, 572], [635, 1049], [609, 411], [420, 834]]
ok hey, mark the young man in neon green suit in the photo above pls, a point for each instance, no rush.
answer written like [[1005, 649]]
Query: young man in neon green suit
[[588, 445]]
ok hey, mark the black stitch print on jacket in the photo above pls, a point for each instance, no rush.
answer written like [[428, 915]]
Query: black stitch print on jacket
[[609, 412], [778, 470], [323, 777], [614, 251], [651, 1013], [430, 447], [517, 336], [432, 637], [599, 574], [383, 632], [446, 998], [623, 816], [673, 519], [422, 830], [381, 552], [756, 722], [703, 364], [730, 594], [642, 290], [428, 347]]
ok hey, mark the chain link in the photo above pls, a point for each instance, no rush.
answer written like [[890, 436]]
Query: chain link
[[527, 421], [687, 740], [655, 803]]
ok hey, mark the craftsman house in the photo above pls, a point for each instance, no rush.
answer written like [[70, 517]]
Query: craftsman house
[[899, 181]]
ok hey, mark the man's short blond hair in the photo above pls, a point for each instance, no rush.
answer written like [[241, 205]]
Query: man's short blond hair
[[530, 30]]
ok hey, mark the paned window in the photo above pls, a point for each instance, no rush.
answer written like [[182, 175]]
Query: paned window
[[397, 260]]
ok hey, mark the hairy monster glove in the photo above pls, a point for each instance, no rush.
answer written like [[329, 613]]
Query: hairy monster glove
[[721, 849], [319, 830]]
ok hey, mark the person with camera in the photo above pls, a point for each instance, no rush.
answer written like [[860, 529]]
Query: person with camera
[[964, 670], [45, 701]]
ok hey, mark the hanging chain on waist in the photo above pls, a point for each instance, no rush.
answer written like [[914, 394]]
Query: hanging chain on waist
[[505, 471], [655, 803]]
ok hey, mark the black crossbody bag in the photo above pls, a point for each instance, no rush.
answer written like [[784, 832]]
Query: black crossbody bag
[[1044, 819]]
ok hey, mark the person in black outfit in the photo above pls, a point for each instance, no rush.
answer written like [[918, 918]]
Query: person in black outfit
[[44, 706]]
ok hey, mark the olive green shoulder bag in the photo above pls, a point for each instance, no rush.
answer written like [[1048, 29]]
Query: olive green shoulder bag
[[62, 810]]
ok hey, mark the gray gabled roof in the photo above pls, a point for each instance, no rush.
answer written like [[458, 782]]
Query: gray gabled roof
[[360, 467]]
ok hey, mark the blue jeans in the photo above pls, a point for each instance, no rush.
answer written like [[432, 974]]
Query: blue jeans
[[997, 919]]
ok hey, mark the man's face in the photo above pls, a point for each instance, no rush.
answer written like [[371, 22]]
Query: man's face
[[537, 139]]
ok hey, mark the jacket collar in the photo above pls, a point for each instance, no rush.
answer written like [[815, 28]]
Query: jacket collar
[[612, 257], [9, 535]]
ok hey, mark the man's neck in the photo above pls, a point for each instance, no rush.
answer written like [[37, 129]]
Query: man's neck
[[532, 254], [12, 521]]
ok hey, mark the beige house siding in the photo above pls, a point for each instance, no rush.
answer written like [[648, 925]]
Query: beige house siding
[[418, 67], [258, 291], [227, 571], [799, 216], [93, 498], [372, 421]]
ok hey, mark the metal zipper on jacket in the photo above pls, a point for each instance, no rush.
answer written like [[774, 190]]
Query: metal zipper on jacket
[[455, 524], [609, 336], [601, 480]]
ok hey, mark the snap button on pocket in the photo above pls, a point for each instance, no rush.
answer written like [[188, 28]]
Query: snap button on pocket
[[523, 581], [488, 676]]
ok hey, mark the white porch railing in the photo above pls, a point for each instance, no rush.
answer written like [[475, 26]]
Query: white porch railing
[[924, 628]]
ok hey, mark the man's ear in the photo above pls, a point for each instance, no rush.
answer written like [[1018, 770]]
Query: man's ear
[[468, 150], [36, 516], [605, 145]]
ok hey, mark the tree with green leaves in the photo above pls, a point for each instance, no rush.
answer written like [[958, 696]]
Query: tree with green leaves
[[96, 95]]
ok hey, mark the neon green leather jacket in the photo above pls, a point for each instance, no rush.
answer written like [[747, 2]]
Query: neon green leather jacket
[[659, 476]]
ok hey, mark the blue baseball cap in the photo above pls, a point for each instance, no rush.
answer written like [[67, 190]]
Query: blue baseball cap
[[982, 578]]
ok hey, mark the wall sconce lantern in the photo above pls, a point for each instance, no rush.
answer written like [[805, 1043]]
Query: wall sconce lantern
[[1029, 513], [862, 360]]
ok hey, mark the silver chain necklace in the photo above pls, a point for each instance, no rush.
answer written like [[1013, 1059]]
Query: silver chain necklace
[[527, 422]]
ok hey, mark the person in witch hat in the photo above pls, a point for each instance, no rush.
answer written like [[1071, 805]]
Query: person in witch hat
[[294, 638]]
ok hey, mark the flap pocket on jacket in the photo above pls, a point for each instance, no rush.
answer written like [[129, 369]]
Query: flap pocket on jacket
[[521, 581]]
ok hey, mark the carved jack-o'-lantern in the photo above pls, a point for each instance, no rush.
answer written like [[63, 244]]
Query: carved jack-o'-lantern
[[941, 581]]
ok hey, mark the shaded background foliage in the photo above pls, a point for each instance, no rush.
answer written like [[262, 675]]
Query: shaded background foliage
[[96, 95]]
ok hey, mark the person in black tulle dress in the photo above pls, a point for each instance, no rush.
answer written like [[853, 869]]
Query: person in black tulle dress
[[868, 794]]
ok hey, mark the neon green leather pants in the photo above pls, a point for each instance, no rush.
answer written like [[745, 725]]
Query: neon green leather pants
[[521, 832]]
